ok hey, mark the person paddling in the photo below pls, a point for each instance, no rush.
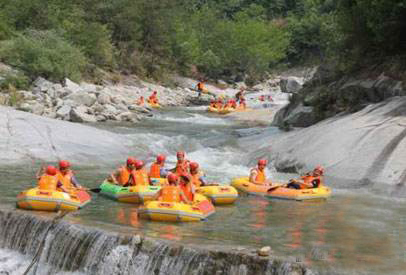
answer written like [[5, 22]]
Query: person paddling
[[186, 185], [197, 177], [171, 192], [257, 174], [200, 88], [125, 174], [153, 99]]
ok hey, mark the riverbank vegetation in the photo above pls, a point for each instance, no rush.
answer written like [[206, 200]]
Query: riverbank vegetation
[[229, 39]]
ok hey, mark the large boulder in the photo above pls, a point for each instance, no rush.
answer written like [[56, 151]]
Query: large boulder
[[72, 86], [82, 98], [104, 99], [32, 107], [79, 114], [290, 84], [63, 112], [366, 148]]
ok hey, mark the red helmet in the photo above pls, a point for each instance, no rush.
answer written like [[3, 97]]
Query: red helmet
[[139, 164], [51, 170], [319, 169], [262, 162], [160, 158], [64, 164], [180, 153], [131, 161], [193, 165], [172, 178]]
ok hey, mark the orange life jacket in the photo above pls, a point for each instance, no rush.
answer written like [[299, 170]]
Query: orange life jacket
[[200, 86], [182, 167], [155, 170], [141, 177], [196, 179], [124, 175], [66, 180], [47, 182], [140, 101], [170, 193], [187, 190], [261, 178]]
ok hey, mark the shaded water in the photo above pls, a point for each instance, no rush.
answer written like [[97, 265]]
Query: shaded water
[[353, 232]]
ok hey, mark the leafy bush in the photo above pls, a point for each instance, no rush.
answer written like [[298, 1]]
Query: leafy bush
[[44, 53]]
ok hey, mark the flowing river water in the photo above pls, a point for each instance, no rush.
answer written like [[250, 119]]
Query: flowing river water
[[353, 232]]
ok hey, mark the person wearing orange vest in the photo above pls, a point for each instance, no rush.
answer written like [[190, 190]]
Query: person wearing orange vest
[[311, 180], [240, 94], [49, 181], [157, 169], [196, 175], [233, 104], [219, 104], [125, 174], [66, 177], [140, 101], [200, 88], [171, 192], [140, 175], [213, 103], [182, 166], [153, 98], [257, 174], [187, 187]]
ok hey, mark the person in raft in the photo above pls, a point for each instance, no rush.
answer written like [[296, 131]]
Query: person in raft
[[257, 174], [197, 177], [212, 103], [66, 176], [171, 192], [140, 101], [125, 174], [182, 165], [48, 181], [157, 169], [140, 175], [185, 183], [311, 180], [153, 99]]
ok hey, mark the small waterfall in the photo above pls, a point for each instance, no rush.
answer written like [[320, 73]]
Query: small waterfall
[[76, 249]]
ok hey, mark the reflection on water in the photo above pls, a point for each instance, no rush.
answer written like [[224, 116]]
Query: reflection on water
[[351, 232]]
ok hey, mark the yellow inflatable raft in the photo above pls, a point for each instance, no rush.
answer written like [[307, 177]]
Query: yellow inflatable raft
[[219, 194], [281, 192], [321, 192], [153, 105], [178, 212], [244, 185], [36, 199]]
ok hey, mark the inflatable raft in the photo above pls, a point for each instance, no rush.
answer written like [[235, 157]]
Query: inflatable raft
[[219, 194], [153, 105], [178, 212], [281, 192], [220, 111], [131, 194], [36, 199]]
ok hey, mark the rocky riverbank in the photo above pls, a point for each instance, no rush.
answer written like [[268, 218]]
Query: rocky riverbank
[[76, 248]]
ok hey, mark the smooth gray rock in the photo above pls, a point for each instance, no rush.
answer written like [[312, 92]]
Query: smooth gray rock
[[79, 114], [72, 86], [25, 137], [82, 98], [63, 112], [128, 116], [103, 99], [110, 109], [366, 148], [290, 84]]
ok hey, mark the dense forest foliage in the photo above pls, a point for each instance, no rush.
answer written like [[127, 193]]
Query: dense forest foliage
[[211, 38]]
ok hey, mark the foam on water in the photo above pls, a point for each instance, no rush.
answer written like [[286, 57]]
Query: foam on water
[[195, 119]]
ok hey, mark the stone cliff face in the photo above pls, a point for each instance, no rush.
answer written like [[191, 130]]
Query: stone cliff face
[[362, 149], [76, 248]]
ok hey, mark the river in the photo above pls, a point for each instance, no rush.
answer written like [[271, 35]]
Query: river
[[353, 232]]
